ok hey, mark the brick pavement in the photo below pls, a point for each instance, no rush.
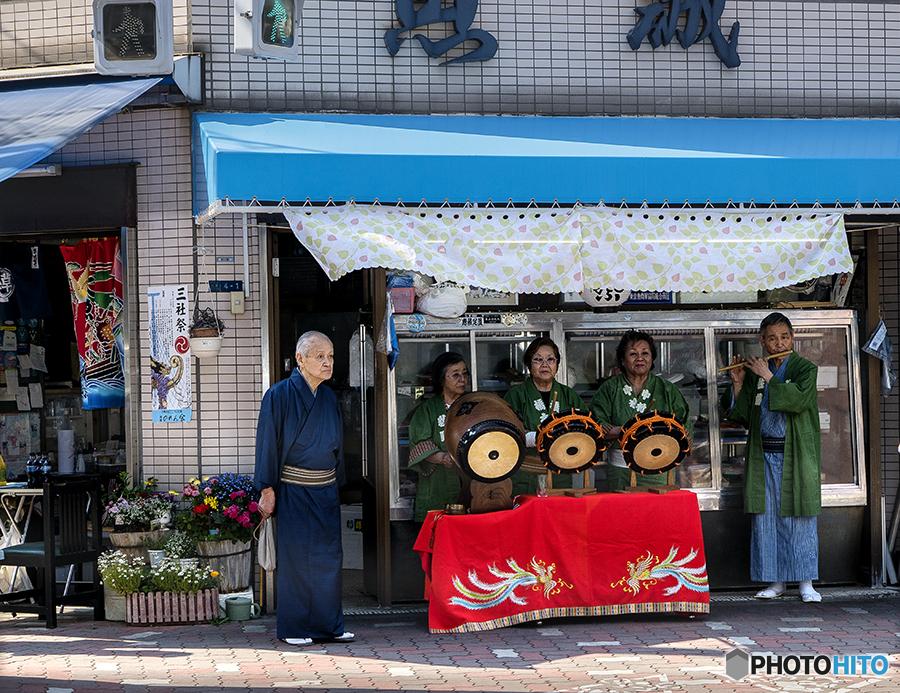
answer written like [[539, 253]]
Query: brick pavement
[[395, 652]]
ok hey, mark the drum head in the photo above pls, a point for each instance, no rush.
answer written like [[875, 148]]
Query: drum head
[[657, 453], [573, 451], [491, 455]]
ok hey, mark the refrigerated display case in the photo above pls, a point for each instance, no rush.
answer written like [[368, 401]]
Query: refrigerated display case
[[692, 346]]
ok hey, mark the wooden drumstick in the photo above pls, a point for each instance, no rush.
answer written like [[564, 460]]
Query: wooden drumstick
[[744, 363]]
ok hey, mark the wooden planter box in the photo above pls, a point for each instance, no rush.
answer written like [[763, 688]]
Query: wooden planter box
[[181, 608]]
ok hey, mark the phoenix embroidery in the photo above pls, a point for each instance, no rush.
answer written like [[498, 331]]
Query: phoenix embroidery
[[489, 594], [644, 571]]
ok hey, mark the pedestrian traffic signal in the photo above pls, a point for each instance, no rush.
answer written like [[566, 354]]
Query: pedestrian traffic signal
[[133, 37], [267, 28]]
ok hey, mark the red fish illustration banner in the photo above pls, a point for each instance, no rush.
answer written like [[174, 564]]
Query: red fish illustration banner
[[598, 555], [94, 269]]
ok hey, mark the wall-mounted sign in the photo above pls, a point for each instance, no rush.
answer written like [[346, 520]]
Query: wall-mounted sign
[[461, 14], [170, 354], [661, 26]]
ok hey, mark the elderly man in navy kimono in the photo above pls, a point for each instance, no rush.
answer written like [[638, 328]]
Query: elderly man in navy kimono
[[299, 467]]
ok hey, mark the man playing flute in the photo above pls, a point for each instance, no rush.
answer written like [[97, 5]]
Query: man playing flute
[[777, 402]]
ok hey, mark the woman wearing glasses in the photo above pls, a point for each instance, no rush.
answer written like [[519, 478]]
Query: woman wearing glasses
[[438, 481], [634, 390], [533, 399]]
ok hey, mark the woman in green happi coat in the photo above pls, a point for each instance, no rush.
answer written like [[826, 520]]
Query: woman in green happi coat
[[533, 399], [633, 391], [439, 482]]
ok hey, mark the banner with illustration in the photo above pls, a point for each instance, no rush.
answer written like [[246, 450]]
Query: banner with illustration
[[94, 269], [170, 353]]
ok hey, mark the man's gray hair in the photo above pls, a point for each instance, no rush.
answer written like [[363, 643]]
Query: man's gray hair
[[305, 342]]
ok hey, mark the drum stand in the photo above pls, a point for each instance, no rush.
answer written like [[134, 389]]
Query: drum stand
[[670, 485], [574, 492]]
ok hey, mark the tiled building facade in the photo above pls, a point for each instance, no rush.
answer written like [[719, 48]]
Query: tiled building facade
[[799, 60]]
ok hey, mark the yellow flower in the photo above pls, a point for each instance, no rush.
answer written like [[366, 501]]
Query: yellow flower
[[173, 493], [215, 573], [212, 502]]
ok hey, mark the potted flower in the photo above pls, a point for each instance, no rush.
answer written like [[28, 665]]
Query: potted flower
[[221, 514], [156, 549], [182, 547], [136, 514], [206, 332], [121, 575]]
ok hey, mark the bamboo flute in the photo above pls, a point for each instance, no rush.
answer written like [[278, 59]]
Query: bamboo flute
[[744, 363]]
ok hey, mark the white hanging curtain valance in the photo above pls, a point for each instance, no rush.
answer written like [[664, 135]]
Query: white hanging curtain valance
[[561, 250]]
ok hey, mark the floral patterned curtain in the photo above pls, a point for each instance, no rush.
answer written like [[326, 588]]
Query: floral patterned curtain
[[561, 250]]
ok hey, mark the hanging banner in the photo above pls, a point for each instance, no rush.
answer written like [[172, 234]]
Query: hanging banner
[[170, 353], [532, 251], [94, 269]]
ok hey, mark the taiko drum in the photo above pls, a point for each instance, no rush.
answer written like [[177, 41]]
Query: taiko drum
[[570, 442], [484, 435], [654, 442]]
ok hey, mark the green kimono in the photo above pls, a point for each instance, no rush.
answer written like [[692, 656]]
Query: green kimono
[[438, 485], [801, 489], [615, 404], [527, 400]]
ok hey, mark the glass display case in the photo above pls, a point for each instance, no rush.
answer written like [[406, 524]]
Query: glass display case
[[692, 347]]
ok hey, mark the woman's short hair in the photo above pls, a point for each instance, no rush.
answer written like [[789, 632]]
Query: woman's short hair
[[440, 366], [773, 319], [630, 338], [537, 344]]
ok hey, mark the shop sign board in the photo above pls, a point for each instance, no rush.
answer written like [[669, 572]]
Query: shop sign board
[[659, 24], [170, 353], [461, 14]]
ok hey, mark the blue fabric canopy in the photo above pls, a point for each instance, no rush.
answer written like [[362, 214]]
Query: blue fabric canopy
[[39, 118], [320, 156]]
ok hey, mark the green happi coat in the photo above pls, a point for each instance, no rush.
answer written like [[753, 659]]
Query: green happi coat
[[614, 403], [527, 400], [438, 485], [801, 488]]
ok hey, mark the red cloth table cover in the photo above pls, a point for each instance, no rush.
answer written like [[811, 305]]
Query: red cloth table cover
[[611, 553]]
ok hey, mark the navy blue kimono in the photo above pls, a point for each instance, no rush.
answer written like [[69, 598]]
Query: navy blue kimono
[[299, 428]]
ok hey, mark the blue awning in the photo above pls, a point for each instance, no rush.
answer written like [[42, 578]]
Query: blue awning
[[39, 118], [271, 157]]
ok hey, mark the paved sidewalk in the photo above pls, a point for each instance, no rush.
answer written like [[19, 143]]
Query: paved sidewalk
[[395, 652]]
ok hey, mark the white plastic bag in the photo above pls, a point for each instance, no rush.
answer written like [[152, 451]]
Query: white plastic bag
[[265, 549], [444, 300]]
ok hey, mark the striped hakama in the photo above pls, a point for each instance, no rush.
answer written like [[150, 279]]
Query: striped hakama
[[782, 549]]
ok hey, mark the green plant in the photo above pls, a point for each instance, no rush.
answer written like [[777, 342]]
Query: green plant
[[181, 545], [204, 319], [172, 576], [155, 543], [120, 573]]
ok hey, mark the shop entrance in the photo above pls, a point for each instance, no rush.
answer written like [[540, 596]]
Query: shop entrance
[[304, 299]]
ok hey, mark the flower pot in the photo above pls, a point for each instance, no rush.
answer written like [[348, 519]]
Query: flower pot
[[206, 347], [159, 608], [132, 543], [114, 605], [232, 561]]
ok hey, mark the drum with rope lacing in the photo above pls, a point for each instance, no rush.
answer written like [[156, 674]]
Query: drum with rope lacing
[[484, 435], [654, 442], [570, 442]]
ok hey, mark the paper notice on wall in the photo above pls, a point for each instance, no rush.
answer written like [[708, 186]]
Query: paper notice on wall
[[170, 353], [24, 361], [12, 382], [23, 403], [36, 392], [38, 358], [9, 340]]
